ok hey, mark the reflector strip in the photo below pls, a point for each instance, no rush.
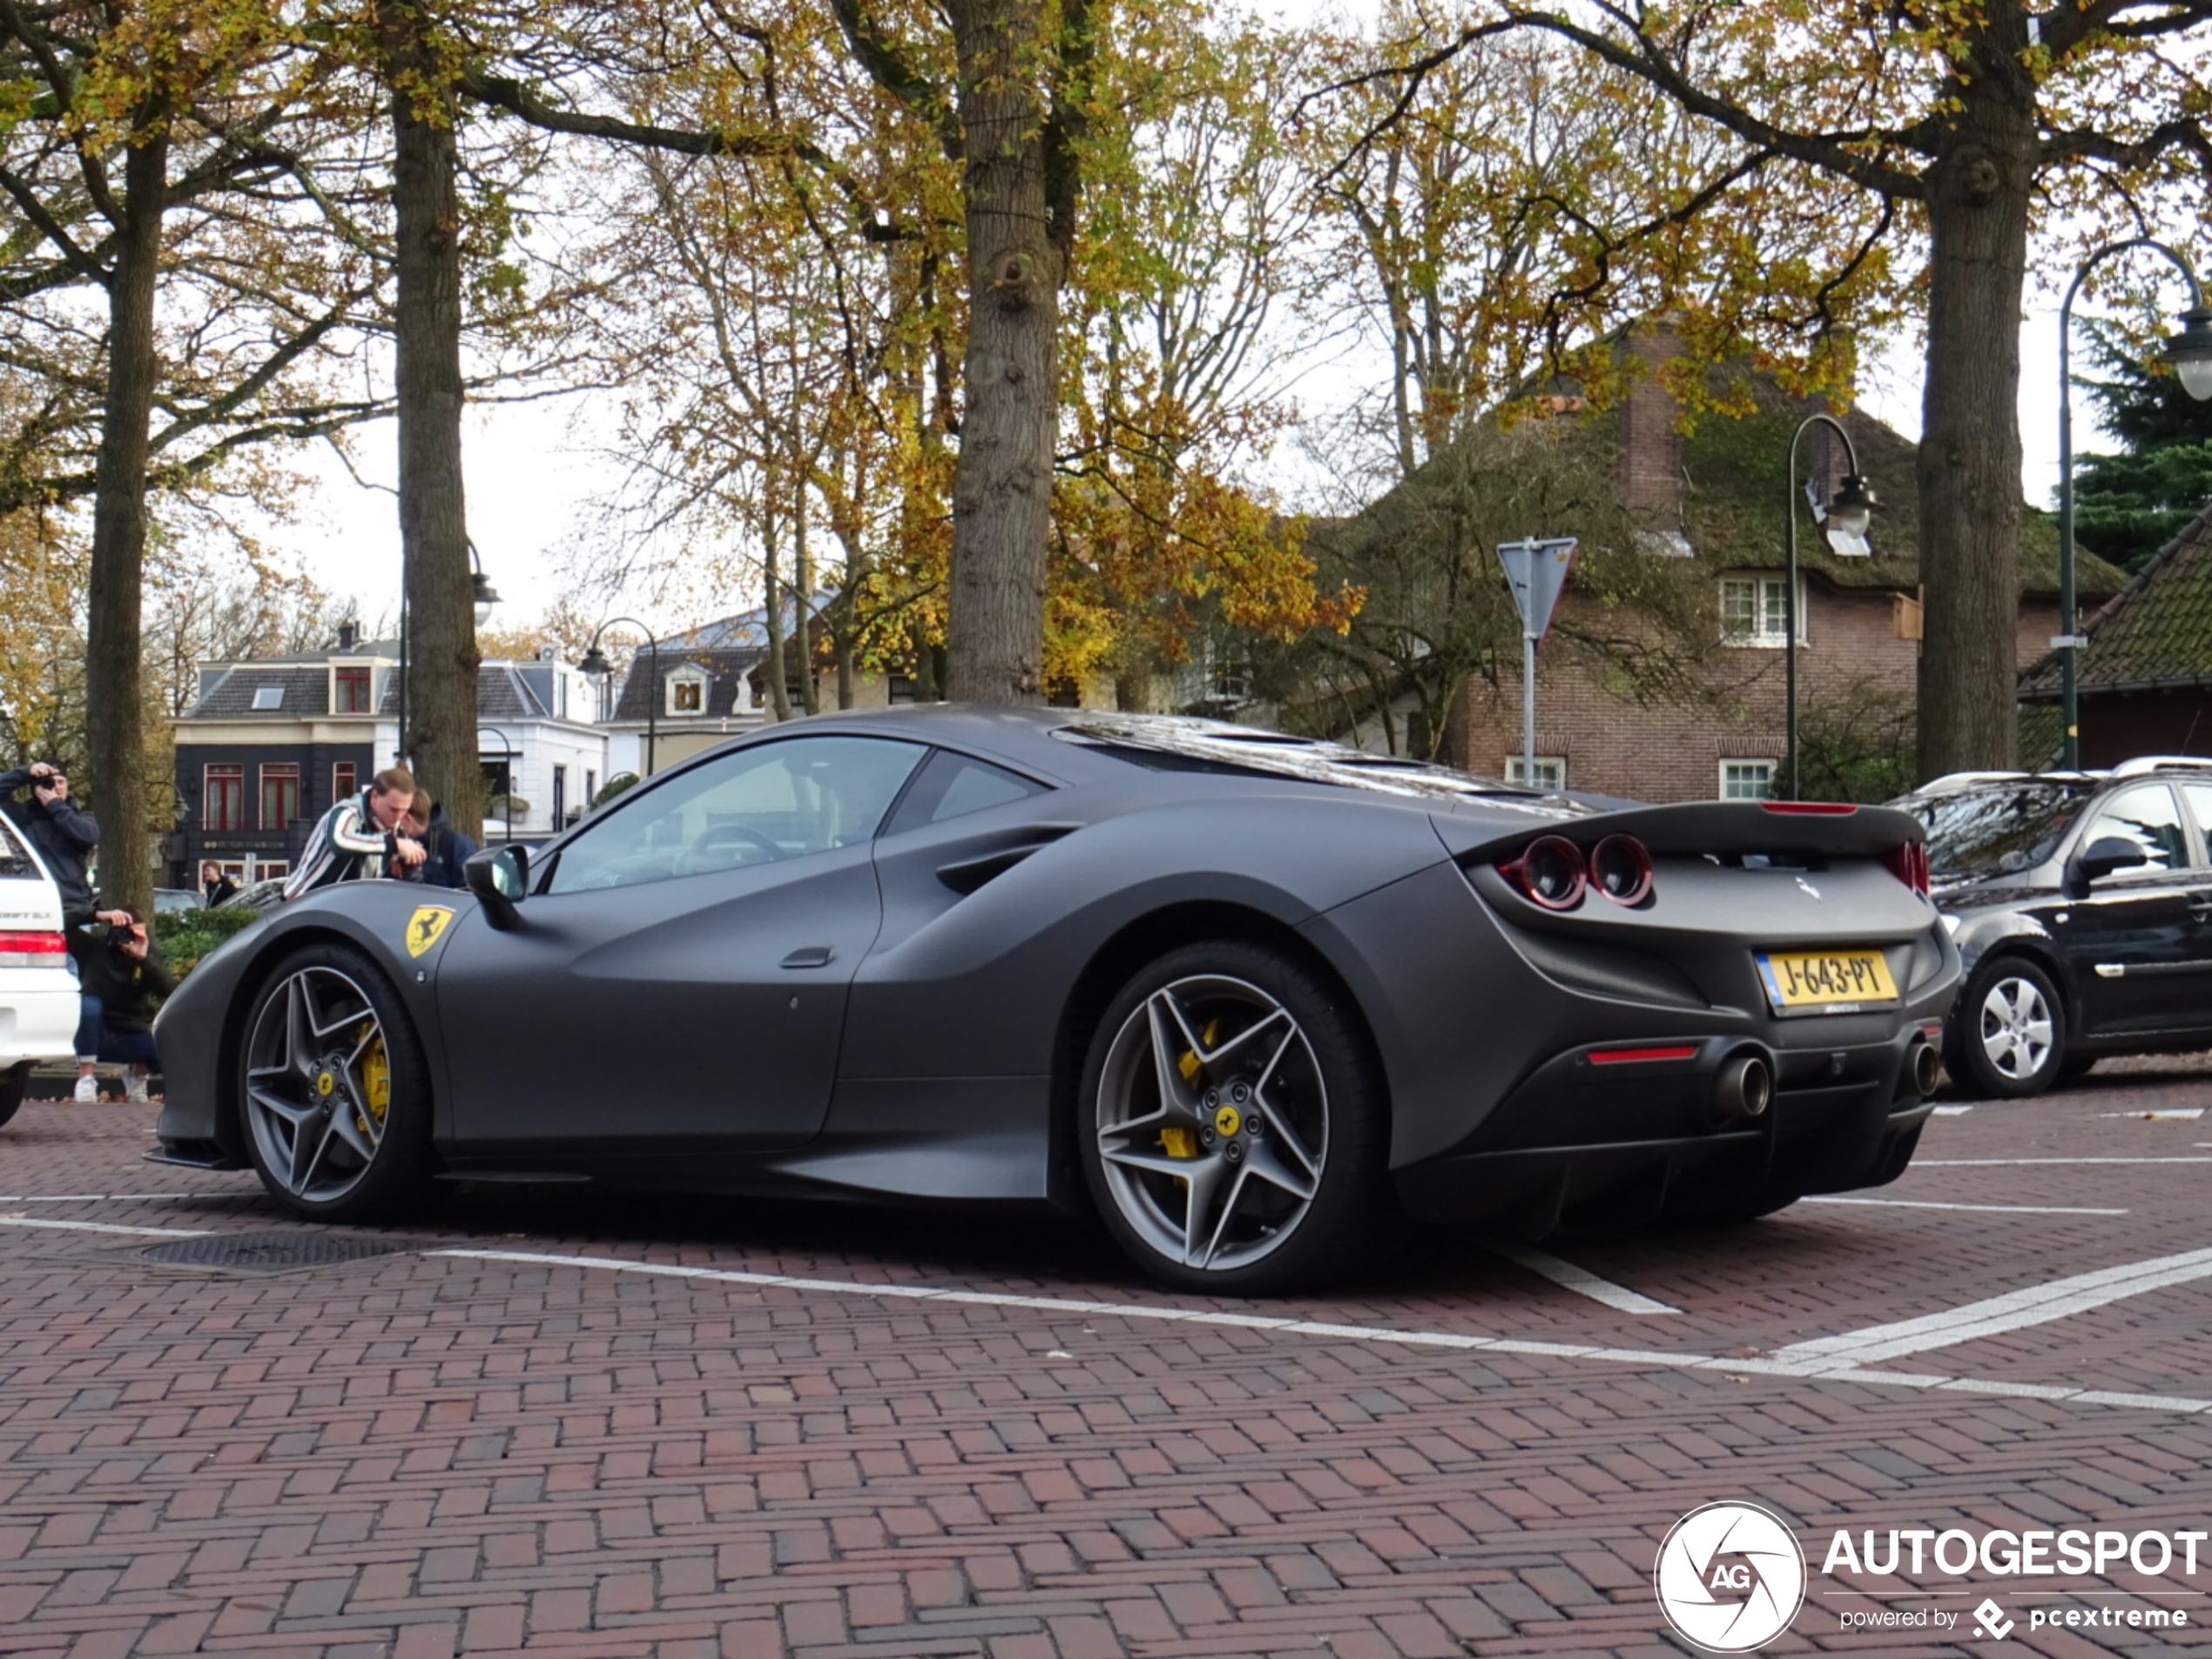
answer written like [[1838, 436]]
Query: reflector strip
[[1617, 1056]]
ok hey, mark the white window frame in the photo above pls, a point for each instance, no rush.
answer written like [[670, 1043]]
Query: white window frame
[[687, 675], [1773, 776], [1767, 592], [1551, 771]]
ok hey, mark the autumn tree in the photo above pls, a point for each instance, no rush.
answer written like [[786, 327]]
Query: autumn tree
[[1194, 297], [1917, 141], [112, 118]]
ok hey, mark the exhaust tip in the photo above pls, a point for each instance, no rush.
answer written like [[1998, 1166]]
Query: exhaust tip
[[1926, 1066], [1743, 1088]]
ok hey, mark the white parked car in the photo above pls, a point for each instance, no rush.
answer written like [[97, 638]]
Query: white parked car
[[38, 995]]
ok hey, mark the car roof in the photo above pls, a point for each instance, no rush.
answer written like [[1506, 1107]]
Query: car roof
[[1090, 744]]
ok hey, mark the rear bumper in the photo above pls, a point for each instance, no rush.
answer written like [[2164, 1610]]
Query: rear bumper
[[1634, 1140], [38, 1021]]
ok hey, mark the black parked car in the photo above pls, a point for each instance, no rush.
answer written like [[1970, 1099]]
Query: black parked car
[[2082, 905]]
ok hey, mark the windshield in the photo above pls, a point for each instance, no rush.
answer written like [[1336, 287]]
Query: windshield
[[1998, 830]]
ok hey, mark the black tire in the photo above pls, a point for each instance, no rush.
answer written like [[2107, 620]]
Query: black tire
[[15, 1082], [2006, 1039], [1284, 1128], [323, 1144]]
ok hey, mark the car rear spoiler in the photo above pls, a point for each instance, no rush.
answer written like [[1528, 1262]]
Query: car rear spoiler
[[1697, 827]]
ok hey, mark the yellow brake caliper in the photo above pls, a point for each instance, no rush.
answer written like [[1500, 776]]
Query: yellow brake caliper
[[376, 1080], [1184, 1142]]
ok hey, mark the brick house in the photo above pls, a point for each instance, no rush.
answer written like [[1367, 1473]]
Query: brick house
[[1711, 495], [2144, 681]]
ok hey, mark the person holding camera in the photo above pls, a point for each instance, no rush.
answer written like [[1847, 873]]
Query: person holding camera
[[445, 849], [124, 982], [363, 835], [64, 832]]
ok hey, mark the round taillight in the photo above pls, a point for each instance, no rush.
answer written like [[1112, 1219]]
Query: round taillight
[[1621, 869], [1552, 872]]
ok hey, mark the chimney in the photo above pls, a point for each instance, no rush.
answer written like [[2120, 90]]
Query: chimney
[[349, 633], [1650, 447]]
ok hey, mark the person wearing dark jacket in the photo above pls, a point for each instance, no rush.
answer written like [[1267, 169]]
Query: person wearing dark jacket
[[126, 982], [64, 832], [445, 848], [214, 886]]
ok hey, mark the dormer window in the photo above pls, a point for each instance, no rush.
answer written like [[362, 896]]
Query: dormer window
[[687, 691], [349, 690], [266, 698]]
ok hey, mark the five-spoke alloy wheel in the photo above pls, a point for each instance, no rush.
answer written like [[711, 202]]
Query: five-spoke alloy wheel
[[333, 1089], [1233, 1128], [2008, 1031]]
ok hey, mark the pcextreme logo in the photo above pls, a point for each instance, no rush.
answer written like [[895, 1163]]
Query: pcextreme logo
[[1729, 1577]]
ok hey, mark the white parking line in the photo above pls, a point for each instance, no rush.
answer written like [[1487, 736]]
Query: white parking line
[[1995, 1209], [1967, 1163], [102, 1227], [1581, 1281], [1645, 1358], [1952, 1111], [2167, 1112], [93, 1197], [2037, 1304]]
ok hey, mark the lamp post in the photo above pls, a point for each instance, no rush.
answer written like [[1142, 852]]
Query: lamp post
[[2190, 353], [1848, 514], [599, 668], [482, 598], [507, 765]]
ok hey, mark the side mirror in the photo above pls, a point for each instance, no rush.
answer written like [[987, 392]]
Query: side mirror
[[499, 877], [2106, 855]]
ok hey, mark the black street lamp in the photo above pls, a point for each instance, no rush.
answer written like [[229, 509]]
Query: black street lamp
[[506, 767], [596, 664], [2190, 353], [1848, 514]]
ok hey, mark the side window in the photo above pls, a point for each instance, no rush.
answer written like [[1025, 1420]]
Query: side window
[[953, 786], [761, 804], [2147, 816], [2199, 799]]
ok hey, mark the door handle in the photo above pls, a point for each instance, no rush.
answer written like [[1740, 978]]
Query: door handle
[[810, 956]]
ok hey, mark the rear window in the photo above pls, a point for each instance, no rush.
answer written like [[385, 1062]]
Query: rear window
[[1165, 743], [16, 862], [1999, 830]]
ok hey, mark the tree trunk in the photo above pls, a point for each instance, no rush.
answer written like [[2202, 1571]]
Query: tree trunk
[[114, 714], [1002, 484], [441, 738], [1969, 464]]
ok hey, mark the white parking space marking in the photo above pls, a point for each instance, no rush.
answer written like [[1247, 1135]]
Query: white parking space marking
[[101, 1227], [1647, 1360], [92, 1197], [1952, 1111], [2037, 1304], [1992, 1208], [1991, 1163], [2165, 1113], [1581, 1281]]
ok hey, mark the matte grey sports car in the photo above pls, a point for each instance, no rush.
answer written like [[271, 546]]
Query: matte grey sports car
[[1255, 999]]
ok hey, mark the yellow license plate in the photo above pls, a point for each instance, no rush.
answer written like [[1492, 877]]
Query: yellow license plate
[[1827, 979]]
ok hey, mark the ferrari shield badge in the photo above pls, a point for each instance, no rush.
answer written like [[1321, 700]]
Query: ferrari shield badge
[[426, 927]]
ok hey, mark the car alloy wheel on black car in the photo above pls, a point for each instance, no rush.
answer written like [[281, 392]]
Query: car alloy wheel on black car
[[337, 1100], [1233, 1125]]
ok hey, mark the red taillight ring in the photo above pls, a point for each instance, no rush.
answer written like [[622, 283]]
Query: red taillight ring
[[1614, 846], [1546, 848]]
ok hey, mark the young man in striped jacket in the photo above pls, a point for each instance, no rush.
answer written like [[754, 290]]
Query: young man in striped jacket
[[360, 837]]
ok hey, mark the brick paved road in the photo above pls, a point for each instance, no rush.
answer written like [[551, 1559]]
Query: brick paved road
[[420, 1454]]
